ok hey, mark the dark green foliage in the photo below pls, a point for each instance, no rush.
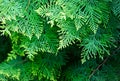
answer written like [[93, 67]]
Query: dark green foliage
[[59, 40], [5, 47]]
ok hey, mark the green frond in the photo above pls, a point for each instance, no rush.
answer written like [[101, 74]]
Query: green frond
[[116, 8], [7, 70], [30, 25], [47, 42], [77, 72], [24, 70], [94, 10], [68, 33], [59, 40], [93, 46], [11, 10]]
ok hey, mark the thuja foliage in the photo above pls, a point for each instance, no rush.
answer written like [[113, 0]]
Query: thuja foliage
[[59, 40]]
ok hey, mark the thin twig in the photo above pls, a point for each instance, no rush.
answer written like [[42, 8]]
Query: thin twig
[[27, 5], [98, 67], [20, 62], [102, 63]]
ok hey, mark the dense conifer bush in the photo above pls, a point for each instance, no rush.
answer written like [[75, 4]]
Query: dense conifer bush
[[59, 40]]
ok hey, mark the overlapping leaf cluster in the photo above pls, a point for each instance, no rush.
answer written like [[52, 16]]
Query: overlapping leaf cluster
[[41, 30]]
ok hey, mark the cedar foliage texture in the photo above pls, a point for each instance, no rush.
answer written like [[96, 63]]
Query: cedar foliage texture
[[59, 40]]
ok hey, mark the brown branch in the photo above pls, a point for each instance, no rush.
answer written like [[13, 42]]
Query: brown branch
[[98, 67], [102, 63]]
